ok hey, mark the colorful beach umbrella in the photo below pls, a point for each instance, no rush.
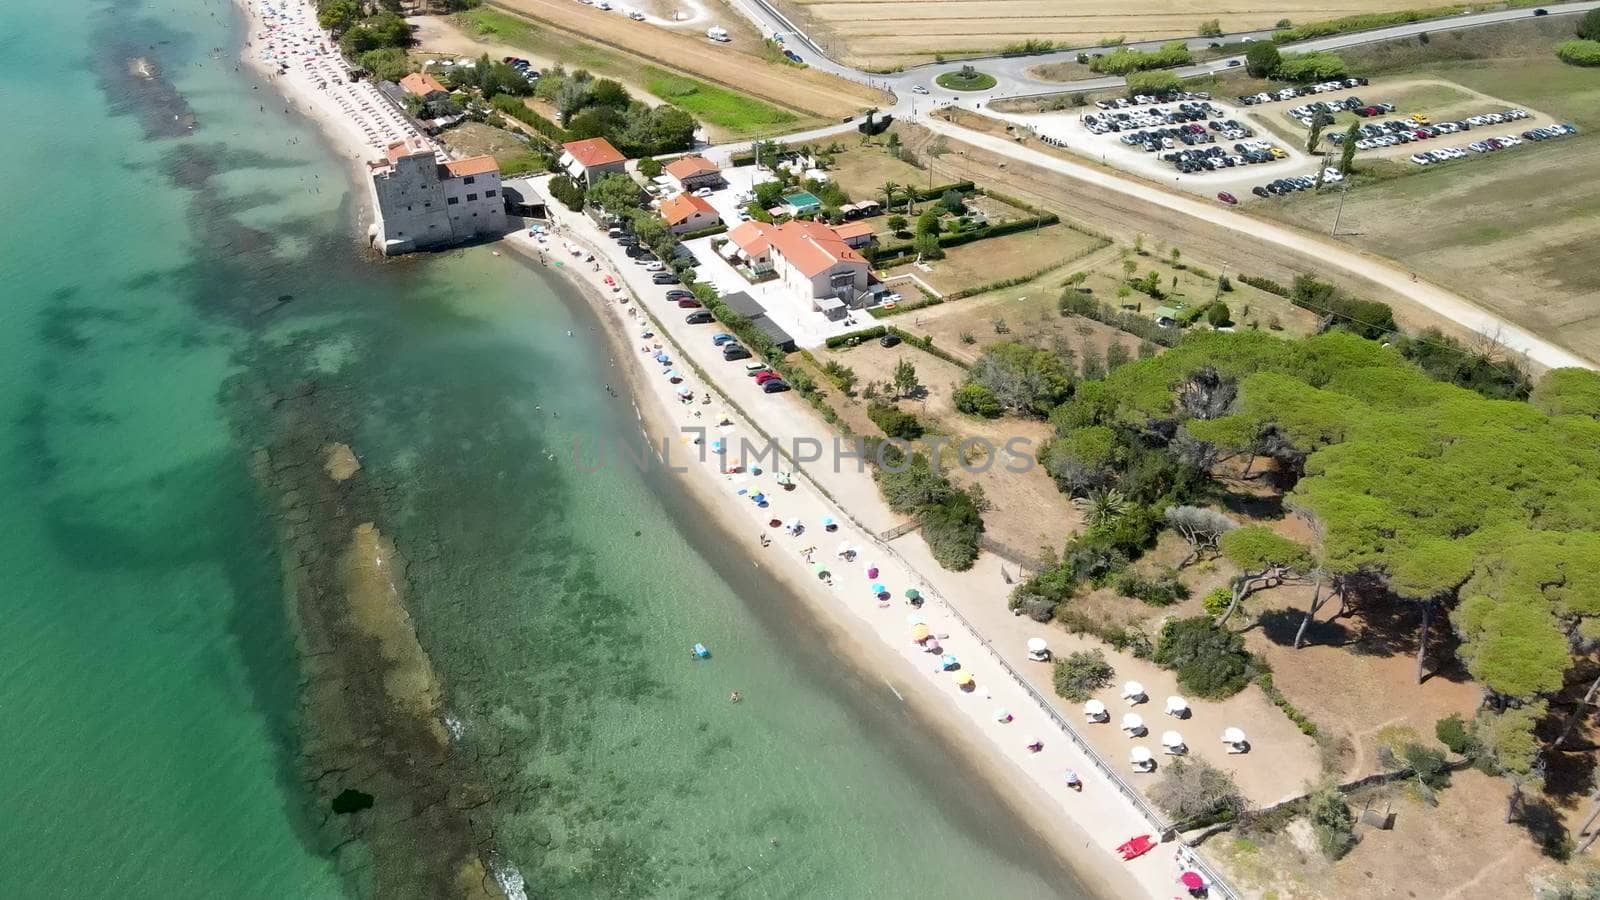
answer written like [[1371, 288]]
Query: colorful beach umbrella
[[878, 588], [963, 678], [913, 594], [919, 633]]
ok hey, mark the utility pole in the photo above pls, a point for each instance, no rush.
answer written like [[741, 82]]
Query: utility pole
[[1340, 213]]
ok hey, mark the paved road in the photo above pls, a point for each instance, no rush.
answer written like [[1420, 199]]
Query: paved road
[[1012, 72], [1331, 253]]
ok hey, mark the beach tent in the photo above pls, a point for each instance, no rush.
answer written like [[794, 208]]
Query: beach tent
[[1095, 711], [1133, 725], [1173, 742], [1177, 707], [1038, 650], [1141, 759], [1133, 692]]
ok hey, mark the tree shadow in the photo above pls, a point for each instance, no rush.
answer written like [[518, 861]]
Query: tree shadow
[[1254, 506], [1279, 626], [1544, 824], [1569, 777]]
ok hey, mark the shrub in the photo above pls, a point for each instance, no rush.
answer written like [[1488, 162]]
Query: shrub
[[1217, 601], [1579, 53], [568, 192], [1332, 822], [1164, 590], [895, 422], [1210, 661], [1021, 378], [977, 400], [649, 167], [1317, 66], [1429, 764], [1453, 733], [1081, 674], [1589, 25], [1192, 791], [1124, 60], [1218, 315], [1153, 83], [1261, 59]]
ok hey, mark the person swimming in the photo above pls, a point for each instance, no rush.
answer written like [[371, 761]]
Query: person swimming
[[734, 697]]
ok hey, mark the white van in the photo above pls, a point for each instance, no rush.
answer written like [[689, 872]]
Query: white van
[[718, 34]]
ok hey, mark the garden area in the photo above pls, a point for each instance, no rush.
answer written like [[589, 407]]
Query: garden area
[[966, 78]]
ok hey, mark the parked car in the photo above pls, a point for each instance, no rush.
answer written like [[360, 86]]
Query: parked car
[[654, 265], [775, 386], [723, 338], [679, 294], [704, 192], [700, 317], [920, 89], [1227, 198], [889, 340], [1541, 12], [665, 278], [688, 303], [765, 376], [1234, 63], [731, 352]]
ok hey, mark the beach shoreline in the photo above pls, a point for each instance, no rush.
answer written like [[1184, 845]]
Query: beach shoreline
[[1062, 829]]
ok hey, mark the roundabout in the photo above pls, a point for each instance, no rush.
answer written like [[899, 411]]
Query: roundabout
[[965, 78]]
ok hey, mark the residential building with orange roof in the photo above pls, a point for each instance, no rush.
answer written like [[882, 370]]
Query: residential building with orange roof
[[423, 85], [691, 173], [815, 266], [589, 159], [686, 212]]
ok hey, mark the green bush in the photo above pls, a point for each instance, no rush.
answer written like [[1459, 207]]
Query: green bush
[[1261, 59], [1579, 53], [1317, 66], [895, 422], [1332, 822], [1153, 83], [1361, 22], [1164, 590], [1429, 764], [977, 400], [856, 337], [1217, 601], [1124, 60], [516, 109], [1210, 661], [1082, 673], [1453, 732], [568, 192]]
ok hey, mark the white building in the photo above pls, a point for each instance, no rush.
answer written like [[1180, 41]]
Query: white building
[[815, 266], [419, 202], [587, 160]]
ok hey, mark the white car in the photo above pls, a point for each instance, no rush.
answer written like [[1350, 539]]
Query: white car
[[635, 15], [1421, 159], [654, 266], [704, 192], [918, 89]]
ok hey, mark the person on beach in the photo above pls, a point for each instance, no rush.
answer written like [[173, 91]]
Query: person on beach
[[1073, 781]]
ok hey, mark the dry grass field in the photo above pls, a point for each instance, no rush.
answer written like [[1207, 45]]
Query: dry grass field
[[885, 33], [736, 66]]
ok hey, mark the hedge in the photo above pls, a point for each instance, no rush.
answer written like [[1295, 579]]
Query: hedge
[[516, 109], [1579, 53], [866, 334], [1265, 284], [704, 232], [1362, 22]]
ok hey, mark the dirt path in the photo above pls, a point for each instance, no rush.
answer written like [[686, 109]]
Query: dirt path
[[1278, 246], [803, 89]]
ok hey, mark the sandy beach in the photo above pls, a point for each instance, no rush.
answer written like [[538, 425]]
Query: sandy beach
[[992, 719]]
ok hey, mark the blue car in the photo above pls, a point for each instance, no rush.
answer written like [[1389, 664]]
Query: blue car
[[722, 338]]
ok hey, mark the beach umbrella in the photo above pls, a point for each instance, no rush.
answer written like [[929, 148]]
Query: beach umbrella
[[949, 662], [828, 523], [1140, 757], [844, 547], [820, 569], [1002, 715], [1232, 735], [920, 633], [1132, 724], [913, 594], [1177, 706], [933, 646], [1171, 740], [1133, 691], [1038, 650], [878, 588], [872, 571], [1192, 881], [1094, 709], [963, 678], [915, 619]]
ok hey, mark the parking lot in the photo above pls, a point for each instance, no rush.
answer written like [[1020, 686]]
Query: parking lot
[[1191, 141]]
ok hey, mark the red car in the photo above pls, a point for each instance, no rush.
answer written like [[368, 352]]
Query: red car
[[688, 303], [1228, 198], [766, 376]]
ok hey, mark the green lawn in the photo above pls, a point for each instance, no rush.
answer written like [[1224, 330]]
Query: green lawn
[[956, 81], [734, 113], [492, 25]]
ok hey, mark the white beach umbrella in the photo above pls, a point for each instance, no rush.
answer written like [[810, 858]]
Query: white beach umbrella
[[1132, 724], [844, 547], [1170, 739], [1133, 690], [1140, 756], [1095, 710], [1232, 735], [1177, 706]]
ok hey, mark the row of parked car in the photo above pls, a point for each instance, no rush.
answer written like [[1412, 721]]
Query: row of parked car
[[1294, 183], [1211, 159], [1100, 123], [1490, 145], [1418, 128], [1289, 93], [1151, 99], [1306, 113], [523, 67]]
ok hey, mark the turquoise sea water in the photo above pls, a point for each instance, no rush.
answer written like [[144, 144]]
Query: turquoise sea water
[[154, 275]]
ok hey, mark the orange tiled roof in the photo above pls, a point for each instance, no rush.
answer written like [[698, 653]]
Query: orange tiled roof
[[812, 247], [848, 230], [421, 83], [472, 165], [690, 166], [683, 207], [593, 152]]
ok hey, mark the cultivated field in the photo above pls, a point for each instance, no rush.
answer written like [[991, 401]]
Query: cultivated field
[[742, 68], [1513, 230], [885, 33]]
